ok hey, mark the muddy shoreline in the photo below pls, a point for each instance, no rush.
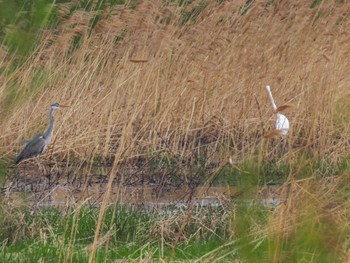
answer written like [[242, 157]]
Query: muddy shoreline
[[40, 191]]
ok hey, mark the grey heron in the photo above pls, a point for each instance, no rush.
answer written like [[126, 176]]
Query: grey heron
[[38, 144]]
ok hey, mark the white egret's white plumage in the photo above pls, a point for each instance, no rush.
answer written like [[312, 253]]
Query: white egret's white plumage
[[282, 122]]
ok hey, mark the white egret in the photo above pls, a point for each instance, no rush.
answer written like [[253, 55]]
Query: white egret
[[282, 122]]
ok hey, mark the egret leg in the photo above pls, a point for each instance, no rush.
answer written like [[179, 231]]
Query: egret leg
[[284, 145]]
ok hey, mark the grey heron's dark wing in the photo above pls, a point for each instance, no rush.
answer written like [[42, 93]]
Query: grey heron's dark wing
[[33, 148]]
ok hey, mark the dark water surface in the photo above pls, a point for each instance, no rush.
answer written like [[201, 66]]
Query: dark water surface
[[38, 192]]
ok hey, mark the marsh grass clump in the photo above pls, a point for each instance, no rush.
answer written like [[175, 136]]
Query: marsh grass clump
[[126, 231], [12, 221], [247, 5], [21, 23], [193, 13], [307, 225], [315, 3]]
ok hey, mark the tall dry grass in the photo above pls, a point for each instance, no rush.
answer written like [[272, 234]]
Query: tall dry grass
[[202, 83], [199, 85]]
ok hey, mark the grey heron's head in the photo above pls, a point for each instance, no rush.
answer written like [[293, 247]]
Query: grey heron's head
[[55, 106]]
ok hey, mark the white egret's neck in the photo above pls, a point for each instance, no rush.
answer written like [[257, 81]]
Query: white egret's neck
[[271, 98]]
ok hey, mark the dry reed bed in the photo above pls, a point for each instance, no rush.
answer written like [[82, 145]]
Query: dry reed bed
[[204, 84]]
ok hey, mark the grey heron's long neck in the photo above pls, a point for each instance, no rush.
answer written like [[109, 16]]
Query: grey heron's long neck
[[48, 132]]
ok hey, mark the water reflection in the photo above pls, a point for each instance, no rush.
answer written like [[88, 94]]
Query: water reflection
[[63, 194]]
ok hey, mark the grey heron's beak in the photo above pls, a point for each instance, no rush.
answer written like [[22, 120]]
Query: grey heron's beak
[[64, 106]]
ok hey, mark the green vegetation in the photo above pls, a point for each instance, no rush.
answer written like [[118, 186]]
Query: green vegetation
[[21, 22], [315, 3], [51, 234], [247, 229], [3, 170], [193, 13], [247, 5]]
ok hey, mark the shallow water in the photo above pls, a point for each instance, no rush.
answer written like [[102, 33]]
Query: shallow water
[[38, 193]]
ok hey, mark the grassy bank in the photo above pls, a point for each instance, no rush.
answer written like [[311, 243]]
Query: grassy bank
[[133, 233], [310, 224]]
